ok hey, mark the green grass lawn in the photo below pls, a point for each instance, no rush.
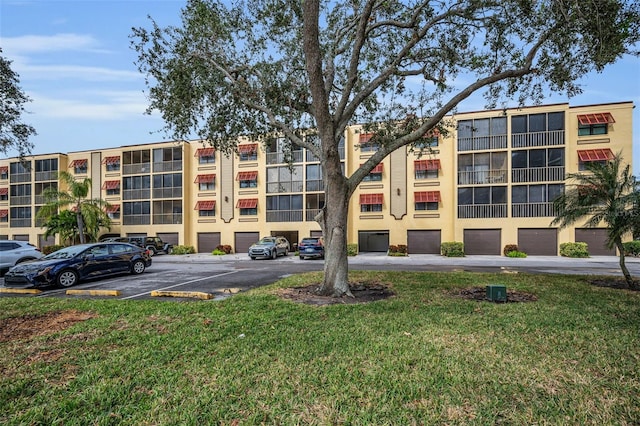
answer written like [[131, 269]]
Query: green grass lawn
[[421, 357]]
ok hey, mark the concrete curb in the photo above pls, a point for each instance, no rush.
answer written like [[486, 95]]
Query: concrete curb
[[189, 294], [93, 292], [20, 290]]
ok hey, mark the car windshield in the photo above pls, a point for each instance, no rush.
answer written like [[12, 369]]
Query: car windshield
[[267, 240], [65, 253]]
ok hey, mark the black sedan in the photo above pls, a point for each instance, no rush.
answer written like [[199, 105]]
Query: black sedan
[[68, 266]]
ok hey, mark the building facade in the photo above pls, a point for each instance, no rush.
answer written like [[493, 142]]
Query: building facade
[[488, 182]]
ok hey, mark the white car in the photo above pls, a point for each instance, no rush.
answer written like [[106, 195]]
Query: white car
[[13, 252]]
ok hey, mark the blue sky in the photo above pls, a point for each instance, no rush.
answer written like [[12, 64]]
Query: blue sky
[[75, 63]]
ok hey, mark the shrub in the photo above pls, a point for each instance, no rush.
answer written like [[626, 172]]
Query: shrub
[[516, 253], [452, 249], [631, 248], [224, 248], [574, 250], [399, 250], [183, 250], [352, 249], [509, 248], [50, 249], [217, 252]]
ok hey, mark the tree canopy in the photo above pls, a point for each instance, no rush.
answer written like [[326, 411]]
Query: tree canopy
[[263, 67], [13, 132]]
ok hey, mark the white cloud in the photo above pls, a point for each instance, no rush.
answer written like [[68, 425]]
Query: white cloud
[[72, 72], [18, 46]]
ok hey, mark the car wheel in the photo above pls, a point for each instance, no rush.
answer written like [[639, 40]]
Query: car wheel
[[286, 252], [274, 254], [137, 267], [253, 258], [67, 278], [152, 251], [301, 257]]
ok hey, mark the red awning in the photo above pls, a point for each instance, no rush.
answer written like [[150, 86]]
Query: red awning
[[427, 197], [4, 169], [249, 203], [4, 213], [420, 165], [111, 184], [113, 208], [111, 160], [205, 179], [4, 191], [205, 152], [377, 169], [247, 148], [595, 154], [247, 175], [365, 137], [78, 163], [205, 205], [598, 118], [370, 199]]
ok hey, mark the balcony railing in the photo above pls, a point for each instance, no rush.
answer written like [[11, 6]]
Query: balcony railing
[[284, 216], [40, 199], [480, 143], [281, 157], [295, 186], [315, 185], [175, 192], [168, 166], [538, 174], [478, 211], [533, 210], [476, 177], [21, 200], [168, 218], [136, 219], [48, 175], [138, 168], [20, 223], [523, 140], [136, 194], [310, 214], [20, 177]]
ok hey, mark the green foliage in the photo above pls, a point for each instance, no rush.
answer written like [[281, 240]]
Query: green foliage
[[352, 249], [509, 248], [398, 250], [516, 253], [183, 250], [217, 252], [452, 249], [574, 249], [632, 248], [50, 249]]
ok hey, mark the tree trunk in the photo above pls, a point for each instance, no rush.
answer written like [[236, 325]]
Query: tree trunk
[[80, 225], [627, 275]]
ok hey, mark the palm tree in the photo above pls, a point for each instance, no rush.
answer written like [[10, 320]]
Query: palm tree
[[607, 193], [90, 213]]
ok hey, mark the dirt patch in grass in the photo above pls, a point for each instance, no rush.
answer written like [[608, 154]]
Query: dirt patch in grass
[[480, 294], [363, 292], [618, 283], [26, 327]]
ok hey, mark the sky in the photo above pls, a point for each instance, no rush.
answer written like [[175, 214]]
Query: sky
[[74, 61]]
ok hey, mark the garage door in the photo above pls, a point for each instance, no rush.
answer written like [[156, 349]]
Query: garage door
[[595, 239], [169, 237], [482, 241], [424, 242], [538, 241], [44, 242], [291, 236], [21, 237], [208, 241], [243, 241], [373, 241]]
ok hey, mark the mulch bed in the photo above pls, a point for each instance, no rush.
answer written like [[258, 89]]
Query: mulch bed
[[480, 294], [617, 283], [363, 292]]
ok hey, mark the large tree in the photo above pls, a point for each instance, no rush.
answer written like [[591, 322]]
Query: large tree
[[89, 213], [14, 134], [606, 193], [278, 67]]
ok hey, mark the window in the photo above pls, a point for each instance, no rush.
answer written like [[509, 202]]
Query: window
[[20, 194], [4, 172], [600, 156], [481, 134], [4, 194], [247, 179], [136, 213], [47, 169], [113, 212], [592, 129], [374, 175], [284, 179], [79, 166], [426, 169], [537, 158], [594, 124], [314, 180], [426, 143], [112, 164], [284, 208], [206, 182], [371, 203], [206, 155], [482, 195], [20, 217], [248, 152], [206, 208], [4, 215], [167, 185], [534, 200], [248, 206], [167, 212], [136, 187], [366, 145], [427, 200], [167, 159], [112, 187]]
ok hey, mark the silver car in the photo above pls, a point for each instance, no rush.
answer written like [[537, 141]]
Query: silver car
[[13, 252], [269, 247]]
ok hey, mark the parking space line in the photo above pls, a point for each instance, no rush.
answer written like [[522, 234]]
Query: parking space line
[[181, 284]]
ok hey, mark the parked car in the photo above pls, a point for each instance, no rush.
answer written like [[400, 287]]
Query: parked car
[[68, 266], [14, 252], [269, 247], [311, 247], [155, 245]]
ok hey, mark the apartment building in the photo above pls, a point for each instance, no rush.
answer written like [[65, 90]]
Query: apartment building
[[489, 181]]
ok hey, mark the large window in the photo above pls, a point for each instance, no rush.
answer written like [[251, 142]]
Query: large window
[[374, 175], [482, 134], [20, 217], [136, 187], [284, 208], [167, 185], [537, 129], [313, 204], [537, 165], [20, 194], [284, 179], [20, 172], [136, 213], [314, 178], [482, 168], [167, 159], [47, 169], [482, 202], [534, 200], [167, 212], [136, 161]]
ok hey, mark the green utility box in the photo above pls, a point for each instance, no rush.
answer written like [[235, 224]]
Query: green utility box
[[497, 293]]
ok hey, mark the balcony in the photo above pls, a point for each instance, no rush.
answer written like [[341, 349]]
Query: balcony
[[20, 223], [276, 187], [524, 140], [20, 177], [281, 157], [168, 166], [136, 219], [479, 177], [175, 192], [533, 210], [480, 211], [284, 216], [310, 214], [538, 174], [136, 169], [48, 175], [21, 200], [168, 218], [136, 194], [481, 143]]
